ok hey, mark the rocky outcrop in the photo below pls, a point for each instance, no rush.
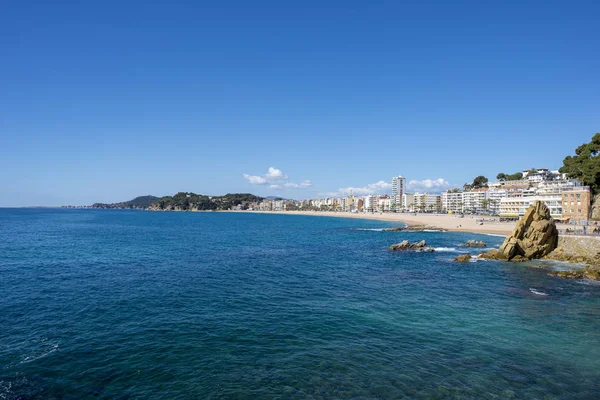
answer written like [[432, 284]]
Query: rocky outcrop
[[415, 228], [405, 245], [463, 258], [589, 272], [474, 243], [534, 237], [561, 255]]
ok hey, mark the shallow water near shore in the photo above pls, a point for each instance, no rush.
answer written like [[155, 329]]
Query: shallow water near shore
[[131, 304]]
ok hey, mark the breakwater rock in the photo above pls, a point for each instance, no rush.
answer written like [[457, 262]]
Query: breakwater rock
[[474, 243], [405, 245], [415, 228], [462, 258]]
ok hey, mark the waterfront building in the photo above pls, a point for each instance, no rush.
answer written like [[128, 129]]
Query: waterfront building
[[427, 202], [384, 204], [576, 203], [370, 204], [475, 201], [408, 201], [398, 189], [452, 201]]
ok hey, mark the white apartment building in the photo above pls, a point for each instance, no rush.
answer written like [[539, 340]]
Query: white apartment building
[[475, 201], [452, 202], [427, 202], [384, 204], [370, 203], [494, 196], [398, 189], [550, 192], [345, 204], [516, 206], [408, 200]]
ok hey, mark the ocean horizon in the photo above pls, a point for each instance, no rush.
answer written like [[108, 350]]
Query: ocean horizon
[[152, 305]]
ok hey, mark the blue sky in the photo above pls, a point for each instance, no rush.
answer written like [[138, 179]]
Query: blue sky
[[105, 101]]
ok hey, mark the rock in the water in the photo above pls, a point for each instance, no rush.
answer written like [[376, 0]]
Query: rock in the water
[[462, 258], [568, 274], [416, 246], [395, 229], [494, 254], [415, 228], [474, 243], [592, 272], [534, 236], [589, 272]]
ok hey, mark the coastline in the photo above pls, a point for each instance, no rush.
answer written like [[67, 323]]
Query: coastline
[[448, 222]]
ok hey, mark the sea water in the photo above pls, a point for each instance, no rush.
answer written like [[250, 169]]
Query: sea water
[[150, 305]]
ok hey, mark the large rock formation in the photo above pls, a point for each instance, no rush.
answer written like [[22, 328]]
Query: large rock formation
[[534, 236], [405, 245]]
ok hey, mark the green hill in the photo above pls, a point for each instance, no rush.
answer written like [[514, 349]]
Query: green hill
[[141, 202], [188, 201]]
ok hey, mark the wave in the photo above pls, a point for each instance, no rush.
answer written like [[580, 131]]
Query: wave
[[494, 234], [445, 249], [431, 230], [370, 229], [532, 290], [51, 348]]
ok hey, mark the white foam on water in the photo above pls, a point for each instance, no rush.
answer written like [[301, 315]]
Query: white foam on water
[[532, 290], [587, 282], [445, 249], [431, 230], [494, 234], [370, 229], [43, 353]]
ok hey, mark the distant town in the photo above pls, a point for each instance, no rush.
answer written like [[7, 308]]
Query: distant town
[[567, 199], [508, 197]]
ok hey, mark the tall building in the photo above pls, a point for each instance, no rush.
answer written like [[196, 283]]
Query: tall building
[[398, 189]]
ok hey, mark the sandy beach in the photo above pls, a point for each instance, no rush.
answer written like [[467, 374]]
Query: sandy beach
[[453, 223]]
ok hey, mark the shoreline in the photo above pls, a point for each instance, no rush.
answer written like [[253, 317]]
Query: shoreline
[[448, 222]]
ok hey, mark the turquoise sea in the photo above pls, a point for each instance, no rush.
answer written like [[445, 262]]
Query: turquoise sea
[[143, 305]]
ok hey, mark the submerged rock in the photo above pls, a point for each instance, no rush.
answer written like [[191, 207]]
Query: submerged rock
[[535, 236], [405, 245], [462, 258], [474, 243]]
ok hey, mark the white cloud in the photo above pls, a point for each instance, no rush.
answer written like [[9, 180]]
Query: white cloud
[[301, 185], [428, 185], [372, 188], [255, 179], [276, 179], [275, 174]]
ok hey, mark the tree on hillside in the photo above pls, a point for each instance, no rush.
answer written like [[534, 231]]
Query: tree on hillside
[[514, 177], [585, 165], [479, 182]]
